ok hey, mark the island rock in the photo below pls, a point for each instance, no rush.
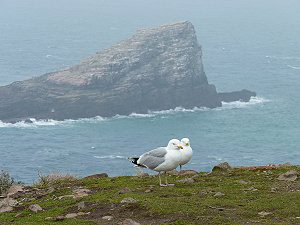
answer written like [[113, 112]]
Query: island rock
[[156, 69]]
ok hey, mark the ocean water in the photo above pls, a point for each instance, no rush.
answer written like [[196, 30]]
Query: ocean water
[[246, 44]]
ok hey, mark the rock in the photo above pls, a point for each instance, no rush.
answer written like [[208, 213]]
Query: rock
[[71, 215], [51, 190], [107, 217], [20, 214], [143, 175], [244, 182], [81, 206], [66, 196], [15, 191], [263, 213], [157, 69], [129, 222], [35, 208], [81, 192], [125, 190], [7, 204], [243, 96], [252, 189], [188, 173], [173, 172], [99, 175], [187, 180], [148, 190], [59, 218], [288, 176], [222, 167], [129, 200], [6, 209], [219, 194], [82, 213], [49, 218]]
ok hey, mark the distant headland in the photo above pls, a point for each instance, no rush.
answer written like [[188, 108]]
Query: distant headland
[[156, 69]]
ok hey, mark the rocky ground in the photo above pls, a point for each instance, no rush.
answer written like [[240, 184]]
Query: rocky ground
[[252, 195]]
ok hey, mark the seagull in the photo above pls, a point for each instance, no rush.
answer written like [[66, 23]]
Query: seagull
[[161, 159], [186, 153]]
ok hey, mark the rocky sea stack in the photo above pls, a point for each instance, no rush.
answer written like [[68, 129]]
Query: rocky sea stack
[[156, 69]]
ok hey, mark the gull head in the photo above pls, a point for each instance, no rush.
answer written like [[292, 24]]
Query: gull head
[[185, 142], [174, 144]]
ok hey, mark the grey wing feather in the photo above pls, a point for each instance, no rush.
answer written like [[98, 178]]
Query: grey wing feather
[[153, 158]]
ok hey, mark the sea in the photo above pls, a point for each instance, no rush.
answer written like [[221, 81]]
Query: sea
[[246, 44]]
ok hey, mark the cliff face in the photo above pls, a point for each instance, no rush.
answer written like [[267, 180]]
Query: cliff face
[[156, 69]]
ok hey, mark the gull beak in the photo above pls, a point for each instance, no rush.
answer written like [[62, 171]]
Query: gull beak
[[180, 147]]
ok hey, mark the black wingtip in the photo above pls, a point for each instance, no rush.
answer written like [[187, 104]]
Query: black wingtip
[[134, 161]]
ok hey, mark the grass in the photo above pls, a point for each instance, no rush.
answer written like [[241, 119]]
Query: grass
[[247, 193]]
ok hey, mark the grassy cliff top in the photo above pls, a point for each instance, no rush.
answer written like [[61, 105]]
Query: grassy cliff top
[[235, 196]]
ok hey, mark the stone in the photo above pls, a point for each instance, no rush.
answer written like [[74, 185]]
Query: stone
[[107, 217], [81, 206], [129, 200], [129, 222], [148, 190], [125, 190], [252, 189], [82, 213], [291, 175], [156, 69], [99, 175], [263, 213], [187, 180], [143, 175], [49, 218], [222, 167], [219, 194], [244, 182], [35, 208], [8, 202], [188, 173], [15, 191], [71, 215], [59, 218], [243, 96], [173, 172], [6, 209], [81, 192], [66, 196], [20, 214]]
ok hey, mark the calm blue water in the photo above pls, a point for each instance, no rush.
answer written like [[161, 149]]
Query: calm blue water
[[246, 44]]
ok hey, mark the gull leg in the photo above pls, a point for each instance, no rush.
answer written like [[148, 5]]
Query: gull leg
[[162, 185], [167, 184]]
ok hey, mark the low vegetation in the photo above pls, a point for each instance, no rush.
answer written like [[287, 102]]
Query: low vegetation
[[6, 181], [235, 196]]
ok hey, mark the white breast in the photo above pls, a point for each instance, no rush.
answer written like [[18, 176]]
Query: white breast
[[186, 155], [172, 160]]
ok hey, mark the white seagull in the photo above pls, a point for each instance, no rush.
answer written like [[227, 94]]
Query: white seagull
[[186, 153], [161, 159]]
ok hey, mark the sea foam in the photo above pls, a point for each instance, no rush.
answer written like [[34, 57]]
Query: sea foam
[[151, 114]]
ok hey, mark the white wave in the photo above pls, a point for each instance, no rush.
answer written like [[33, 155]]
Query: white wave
[[110, 157], [294, 67], [283, 57], [34, 123], [161, 114], [240, 104]]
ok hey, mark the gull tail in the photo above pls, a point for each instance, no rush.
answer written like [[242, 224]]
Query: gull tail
[[134, 161]]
